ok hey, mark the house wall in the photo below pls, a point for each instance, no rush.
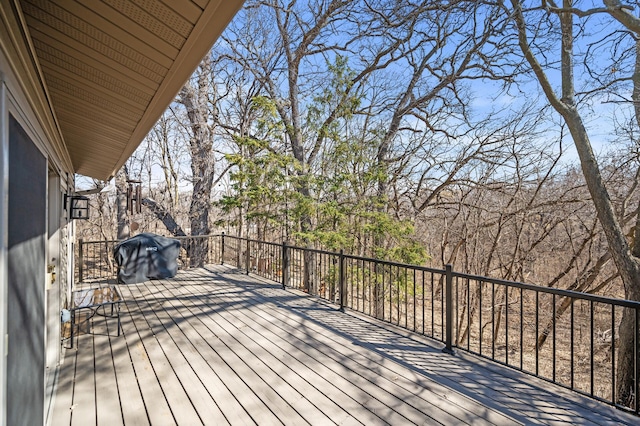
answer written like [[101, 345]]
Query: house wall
[[35, 173]]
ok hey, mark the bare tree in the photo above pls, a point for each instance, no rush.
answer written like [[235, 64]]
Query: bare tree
[[169, 151], [122, 184], [567, 104], [195, 98]]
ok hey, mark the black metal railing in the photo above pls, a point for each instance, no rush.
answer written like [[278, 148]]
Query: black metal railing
[[565, 337], [95, 259]]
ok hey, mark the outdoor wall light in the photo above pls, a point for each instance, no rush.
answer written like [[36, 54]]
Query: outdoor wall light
[[79, 206]]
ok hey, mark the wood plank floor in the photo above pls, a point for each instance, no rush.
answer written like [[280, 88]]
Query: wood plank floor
[[214, 346]]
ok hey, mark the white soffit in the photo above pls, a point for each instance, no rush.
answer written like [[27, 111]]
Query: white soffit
[[111, 67]]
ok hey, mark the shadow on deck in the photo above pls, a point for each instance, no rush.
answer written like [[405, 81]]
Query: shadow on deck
[[214, 346]]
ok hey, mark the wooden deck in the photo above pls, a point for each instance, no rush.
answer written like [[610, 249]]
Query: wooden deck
[[214, 346]]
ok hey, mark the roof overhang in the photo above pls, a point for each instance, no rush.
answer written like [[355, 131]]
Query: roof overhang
[[110, 68]]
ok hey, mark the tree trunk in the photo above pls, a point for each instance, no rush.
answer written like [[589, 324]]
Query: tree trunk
[[195, 100], [627, 264], [626, 373], [124, 230], [165, 217]]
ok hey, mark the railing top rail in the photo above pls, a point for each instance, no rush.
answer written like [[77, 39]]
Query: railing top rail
[[370, 259], [191, 237], [396, 264], [560, 292], [184, 237], [252, 240], [290, 246], [532, 287], [550, 290], [98, 241], [314, 250]]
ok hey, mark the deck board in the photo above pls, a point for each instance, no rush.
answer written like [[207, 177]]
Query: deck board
[[131, 402], [156, 405], [64, 391], [180, 353], [197, 396], [293, 386], [372, 376], [167, 368], [214, 346], [231, 385], [105, 376], [380, 397], [255, 391], [310, 368], [84, 397]]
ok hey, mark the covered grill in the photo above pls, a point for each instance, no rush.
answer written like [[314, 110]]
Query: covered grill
[[146, 256]]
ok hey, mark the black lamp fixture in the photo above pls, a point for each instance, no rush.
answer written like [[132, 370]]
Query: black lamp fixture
[[78, 206]]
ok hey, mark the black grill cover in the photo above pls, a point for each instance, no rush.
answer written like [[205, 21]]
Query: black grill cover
[[146, 256]]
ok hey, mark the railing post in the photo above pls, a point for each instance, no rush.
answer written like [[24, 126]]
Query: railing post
[[248, 256], [106, 256], [636, 354], [238, 247], [341, 280], [449, 310], [80, 260], [285, 264], [222, 249]]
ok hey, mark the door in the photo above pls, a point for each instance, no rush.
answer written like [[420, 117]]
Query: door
[[26, 265]]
